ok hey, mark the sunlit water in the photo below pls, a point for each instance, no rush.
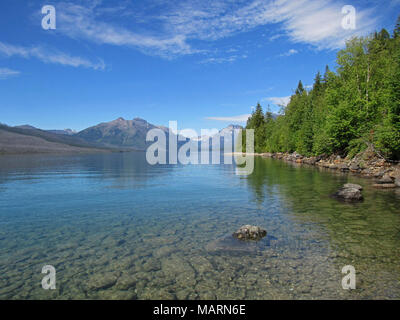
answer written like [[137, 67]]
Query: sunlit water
[[116, 228]]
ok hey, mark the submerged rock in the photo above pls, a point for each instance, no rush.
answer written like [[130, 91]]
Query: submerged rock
[[386, 179], [352, 185], [229, 244], [249, 232], [384, 186], [349, 192], [386, 182], [101, 281]]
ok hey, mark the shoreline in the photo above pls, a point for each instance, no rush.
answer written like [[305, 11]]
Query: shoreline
[[67, 152], [365, 164]]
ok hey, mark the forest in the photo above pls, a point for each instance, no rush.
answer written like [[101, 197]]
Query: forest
[[347, 110]]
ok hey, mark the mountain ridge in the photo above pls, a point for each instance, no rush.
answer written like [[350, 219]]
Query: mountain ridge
[[115, 135], [120, 133]]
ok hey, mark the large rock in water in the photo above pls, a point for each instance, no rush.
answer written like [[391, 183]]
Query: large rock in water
[[249, 232], [386, 179], [352, 185], [349, 192], [386, 182]]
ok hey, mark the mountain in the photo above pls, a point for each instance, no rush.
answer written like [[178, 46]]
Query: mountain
[[116, 135], [121, 133], [230, 129], [26, 126], [27, 139], [67, 132], [226, 135], [50, 136]]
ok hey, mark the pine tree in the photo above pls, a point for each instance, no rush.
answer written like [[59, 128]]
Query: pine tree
[[326, 75], [300, 88], [383, 35], [258, 116], [257, 122], [345, 111], [317, 83], [396, 32]]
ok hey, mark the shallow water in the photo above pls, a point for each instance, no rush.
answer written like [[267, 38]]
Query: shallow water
[[117, 228]]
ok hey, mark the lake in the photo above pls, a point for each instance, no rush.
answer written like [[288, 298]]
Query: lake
[[115, 227]]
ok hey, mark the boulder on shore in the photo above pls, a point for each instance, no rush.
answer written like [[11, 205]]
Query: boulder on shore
[[349, 192], [249, 232]]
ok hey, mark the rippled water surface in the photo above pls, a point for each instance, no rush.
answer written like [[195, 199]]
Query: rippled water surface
[[117, 228]]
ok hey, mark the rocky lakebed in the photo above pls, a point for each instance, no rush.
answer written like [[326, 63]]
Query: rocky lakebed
[[120, 230]]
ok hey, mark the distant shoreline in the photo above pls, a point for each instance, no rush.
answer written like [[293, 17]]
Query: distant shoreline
[[66, 152]]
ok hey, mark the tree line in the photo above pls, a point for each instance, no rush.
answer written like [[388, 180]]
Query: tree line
[[344, 112]]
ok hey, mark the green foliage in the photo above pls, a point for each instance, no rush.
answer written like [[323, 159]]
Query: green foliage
[[346, 110], [396, 32]]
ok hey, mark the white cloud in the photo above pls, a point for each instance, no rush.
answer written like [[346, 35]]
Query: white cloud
[[306, 21], [275, 37], [218, 60], [279, 101], [240, 118], [174, 29], [80, 22], [289, 53], [49, 56], [7, 73]]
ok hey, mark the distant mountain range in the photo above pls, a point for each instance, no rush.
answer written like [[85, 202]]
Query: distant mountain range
[[67, 132], [218, 140], [119, 134], [27, 139]]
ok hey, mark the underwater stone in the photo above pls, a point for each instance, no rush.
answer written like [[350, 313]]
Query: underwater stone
[[386, 179], [102, 281], [349, 194], [352, 185], [384, 186], [249, 232]]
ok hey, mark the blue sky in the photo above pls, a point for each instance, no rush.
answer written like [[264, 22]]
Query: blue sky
[[203, 63]]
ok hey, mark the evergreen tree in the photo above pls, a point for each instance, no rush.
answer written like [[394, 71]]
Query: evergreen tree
[[357, 106], [300, 88], [396, 32], [257, 122], [317, 88]]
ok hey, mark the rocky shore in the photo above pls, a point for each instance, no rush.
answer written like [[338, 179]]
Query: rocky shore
[[366, 164]]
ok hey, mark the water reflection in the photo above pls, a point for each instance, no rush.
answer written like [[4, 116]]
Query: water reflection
[[365, 234], [123, 170], [117, 228]]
